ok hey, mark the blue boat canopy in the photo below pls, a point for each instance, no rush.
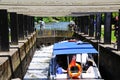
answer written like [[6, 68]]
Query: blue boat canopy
[[77, 47]]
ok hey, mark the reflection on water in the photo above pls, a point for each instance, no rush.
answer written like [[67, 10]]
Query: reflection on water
[[38, 69]]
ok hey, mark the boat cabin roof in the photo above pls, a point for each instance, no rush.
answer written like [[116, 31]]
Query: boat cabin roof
[[73, 47]]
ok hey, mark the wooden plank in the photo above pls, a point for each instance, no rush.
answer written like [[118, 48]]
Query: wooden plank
[[60, 2], [59, 10], [59, 7]]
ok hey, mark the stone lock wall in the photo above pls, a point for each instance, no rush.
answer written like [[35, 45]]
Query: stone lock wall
[[14, 63]]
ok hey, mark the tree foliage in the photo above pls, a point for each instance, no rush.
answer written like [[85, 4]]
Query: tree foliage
[[53, 19]]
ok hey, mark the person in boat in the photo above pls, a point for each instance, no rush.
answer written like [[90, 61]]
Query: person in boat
[[73, 61], [74, 68], [89, 66], [91, 71], [59, 69]]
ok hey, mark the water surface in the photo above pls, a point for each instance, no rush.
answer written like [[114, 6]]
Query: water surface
[[38, 68]]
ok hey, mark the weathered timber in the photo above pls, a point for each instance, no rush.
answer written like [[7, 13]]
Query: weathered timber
[[4, 31], [107, 28]]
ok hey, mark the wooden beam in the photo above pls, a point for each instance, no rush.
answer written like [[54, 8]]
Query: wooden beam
[[107, 28], [14, 28], [60, 2], [4, 31], [59, 7]]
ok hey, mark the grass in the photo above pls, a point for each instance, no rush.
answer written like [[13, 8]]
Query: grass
[[113, 37]]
